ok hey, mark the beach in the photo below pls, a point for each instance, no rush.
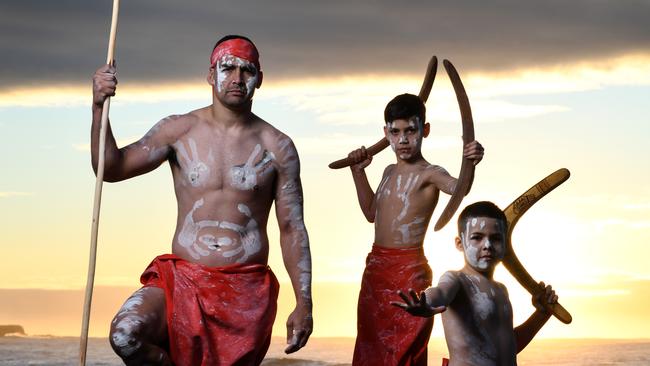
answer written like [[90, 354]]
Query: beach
[[63, 351]]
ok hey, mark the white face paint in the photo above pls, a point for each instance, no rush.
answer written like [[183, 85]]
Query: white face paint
[[483, 242], [196, 171], [226, 65], [245, 176], [405, 136]]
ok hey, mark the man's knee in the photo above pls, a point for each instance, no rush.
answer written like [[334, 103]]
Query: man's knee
[[137, 323], [126, 334]]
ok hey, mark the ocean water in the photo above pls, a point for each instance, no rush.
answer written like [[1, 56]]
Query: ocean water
[[63, 351]]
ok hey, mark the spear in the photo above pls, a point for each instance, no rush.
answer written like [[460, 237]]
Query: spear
[[90, 280]]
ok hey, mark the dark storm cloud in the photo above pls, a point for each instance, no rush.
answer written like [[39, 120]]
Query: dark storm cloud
[[44, 41]]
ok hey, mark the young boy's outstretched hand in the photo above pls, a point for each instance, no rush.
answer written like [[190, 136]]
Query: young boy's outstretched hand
[[417, 305]]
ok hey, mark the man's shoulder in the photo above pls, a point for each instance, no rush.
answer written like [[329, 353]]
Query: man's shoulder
[[273, 137]]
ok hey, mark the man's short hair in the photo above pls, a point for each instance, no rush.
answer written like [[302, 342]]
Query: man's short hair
[[405, 106], [232, 36], [481, 209]]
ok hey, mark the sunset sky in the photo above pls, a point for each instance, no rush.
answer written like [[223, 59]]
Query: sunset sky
[[552, 84]]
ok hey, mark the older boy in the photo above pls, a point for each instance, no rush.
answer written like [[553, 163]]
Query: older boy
[[401, 209], [478, 317]]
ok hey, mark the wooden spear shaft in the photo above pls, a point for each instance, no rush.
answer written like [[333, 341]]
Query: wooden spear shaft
[[90, 280]]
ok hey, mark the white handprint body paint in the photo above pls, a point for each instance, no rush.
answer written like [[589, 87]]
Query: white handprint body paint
[[484, 304], [250, 242], [226, 63], [407, 232], [196, 171], [290, 199], [245, 176], [404, 194], [383, 188], [249, 238], [190, 231], [415, 228]]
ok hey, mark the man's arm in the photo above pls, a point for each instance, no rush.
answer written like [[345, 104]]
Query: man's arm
[[365, 195], [433, 300], [294, 242], [135, 159], [528, 329]]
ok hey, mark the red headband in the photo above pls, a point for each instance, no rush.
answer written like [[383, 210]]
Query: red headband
[[236, 47]]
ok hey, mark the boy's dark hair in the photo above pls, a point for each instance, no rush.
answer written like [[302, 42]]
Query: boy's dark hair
[[405, 106], [481, 209], [232, 36]]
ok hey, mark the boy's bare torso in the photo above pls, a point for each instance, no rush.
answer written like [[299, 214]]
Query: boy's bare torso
[[405, 200], [225, 180], [478, 322]]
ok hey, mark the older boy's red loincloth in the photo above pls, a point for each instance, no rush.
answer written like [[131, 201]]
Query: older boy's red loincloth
[[215, 316], [388, 335]]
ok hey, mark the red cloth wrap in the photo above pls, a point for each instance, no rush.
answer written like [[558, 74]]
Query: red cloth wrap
[[236, 47], [386, 334], [215, 316]]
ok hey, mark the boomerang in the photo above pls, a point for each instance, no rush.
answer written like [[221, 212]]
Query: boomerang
[[513, 213], [466, 176], [425, 90]]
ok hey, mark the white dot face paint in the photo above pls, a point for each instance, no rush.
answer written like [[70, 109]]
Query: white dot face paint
[[225, 82], [405, 136], [245, 176], [196, 171], [483, 242]]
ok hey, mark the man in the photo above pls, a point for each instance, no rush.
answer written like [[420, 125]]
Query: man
[[477, 314], [213, 301], [401, 209]]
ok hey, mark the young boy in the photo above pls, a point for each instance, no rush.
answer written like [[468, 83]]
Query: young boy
[[478, 317], [401, 209]]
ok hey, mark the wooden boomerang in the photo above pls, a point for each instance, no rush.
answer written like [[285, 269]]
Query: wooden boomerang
[[513, 213], [425, 90], [466, 176]]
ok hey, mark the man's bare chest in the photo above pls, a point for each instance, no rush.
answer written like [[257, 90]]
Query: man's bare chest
[[211, 164]]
